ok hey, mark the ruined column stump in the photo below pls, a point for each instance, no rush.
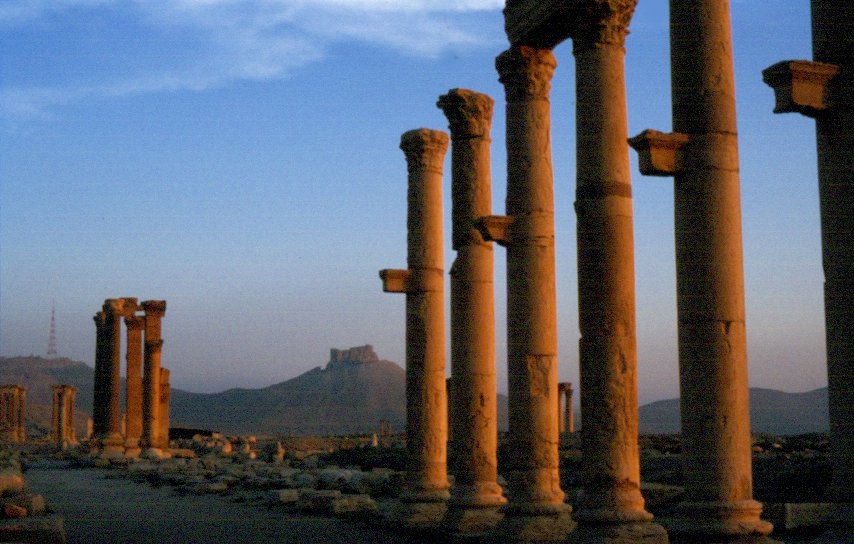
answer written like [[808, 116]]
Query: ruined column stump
[[824, 90], [476, 495], [423, 501], [62, 431], [702, 154], [536, 510]]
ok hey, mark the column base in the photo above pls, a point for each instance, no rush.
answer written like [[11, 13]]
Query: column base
[[534, 522], [420, 516], [133, 453], [154, 453], [736, 521]]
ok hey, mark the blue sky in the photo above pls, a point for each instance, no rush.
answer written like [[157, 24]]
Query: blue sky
[[240, 160]]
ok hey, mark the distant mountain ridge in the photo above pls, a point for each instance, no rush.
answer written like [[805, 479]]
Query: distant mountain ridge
[[351, 394]]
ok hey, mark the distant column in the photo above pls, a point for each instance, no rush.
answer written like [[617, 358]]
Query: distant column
[[63, 432], [114, 310], [426, 486], [567, 417], [824, 89], [165, 395], [536, 510], [702, 154], [154, 312], [13, 421], [476, 494], [99, 401], [133, 385]]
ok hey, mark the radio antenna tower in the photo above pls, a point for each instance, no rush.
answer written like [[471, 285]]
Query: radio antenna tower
[[51, 337]]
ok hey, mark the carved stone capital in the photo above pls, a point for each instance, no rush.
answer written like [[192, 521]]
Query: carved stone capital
[[100, 319], [134, 323], [469, 113], [154, 308], [424, 149], [598, 22], [526, 72]]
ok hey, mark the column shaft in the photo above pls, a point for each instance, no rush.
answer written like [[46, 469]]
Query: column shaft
[[99, 424], [154, 312], [833, 43], [710, 281], [133, 383], [426, 406], [536, 510], [474, 400], [112, 370], [165, 395]]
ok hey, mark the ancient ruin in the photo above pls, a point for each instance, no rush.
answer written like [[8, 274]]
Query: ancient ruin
[[821, 89], [163, 409], [564, 408], [473, 412], [536, 508], [702, 155], [133, 385], [151, 427], [62, 430], [426, 488], [13, 414]]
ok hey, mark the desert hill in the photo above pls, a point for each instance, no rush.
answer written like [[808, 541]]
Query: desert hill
[[351, 394]]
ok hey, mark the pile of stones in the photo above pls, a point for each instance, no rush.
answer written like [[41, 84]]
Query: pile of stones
[[23, 516], [242, 470]]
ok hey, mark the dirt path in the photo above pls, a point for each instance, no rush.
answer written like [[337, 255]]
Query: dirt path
[[115, 511]]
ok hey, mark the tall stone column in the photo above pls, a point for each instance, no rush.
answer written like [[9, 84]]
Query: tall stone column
[[611, 508], [165, 395], [154, 312], [71, 409], [703, 156], [536, 510], [426, 488], [99, 402], [114, 310], [133, 385], [476, 494], [824, 90]]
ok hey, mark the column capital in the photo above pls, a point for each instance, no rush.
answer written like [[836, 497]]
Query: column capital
[[154, 308], [599, 22], [124, 306], [526, 72], [469, 113], [99, 318], [801, 86], [659, 153], [154, 345], [424, 149], [134, 323]]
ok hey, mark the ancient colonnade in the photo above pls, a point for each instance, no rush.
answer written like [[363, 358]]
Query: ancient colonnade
[[146, 419], [702, 155], [821, 89], [12, 413], [62, 430]]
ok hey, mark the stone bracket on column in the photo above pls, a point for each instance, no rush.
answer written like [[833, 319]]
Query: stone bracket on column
[[495, 228], [411, 281], [659, 153], [801, 86]]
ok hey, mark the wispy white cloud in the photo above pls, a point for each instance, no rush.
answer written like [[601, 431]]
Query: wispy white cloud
[[243, 40]]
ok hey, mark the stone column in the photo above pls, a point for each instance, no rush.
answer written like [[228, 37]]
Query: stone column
[[71, 399], [133, 385], [55, 416], [154, 312], [426, 488], [703, 156], [114, 310], [99, 402], [824, 89], [567, 416], [610, 508], [165, 395], [474, 410], [536, 510]]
